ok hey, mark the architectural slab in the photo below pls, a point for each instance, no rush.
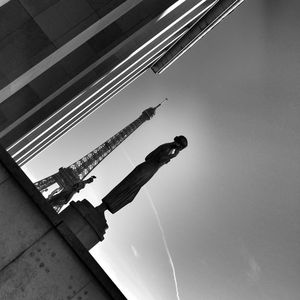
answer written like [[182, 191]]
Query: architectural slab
[[21, 222], [36, 7], [49, 269]]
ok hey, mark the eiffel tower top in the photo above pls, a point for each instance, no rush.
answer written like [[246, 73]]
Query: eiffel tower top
[[150, 112], [76, 172], [86, 164]]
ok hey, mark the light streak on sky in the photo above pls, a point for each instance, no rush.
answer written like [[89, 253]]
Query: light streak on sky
[[146, 191], [164, 239]]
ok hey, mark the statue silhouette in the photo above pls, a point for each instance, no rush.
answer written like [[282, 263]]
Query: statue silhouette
[[128, 188]]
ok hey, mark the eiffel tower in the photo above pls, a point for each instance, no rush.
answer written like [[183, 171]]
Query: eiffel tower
[[67, 178]]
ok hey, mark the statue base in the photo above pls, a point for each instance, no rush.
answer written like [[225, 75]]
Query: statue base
[[87, 222]]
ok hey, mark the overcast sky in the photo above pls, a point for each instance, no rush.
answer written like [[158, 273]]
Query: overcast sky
[[229, 204]]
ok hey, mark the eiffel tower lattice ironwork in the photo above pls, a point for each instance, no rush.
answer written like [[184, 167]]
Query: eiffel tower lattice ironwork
[[67, 178]]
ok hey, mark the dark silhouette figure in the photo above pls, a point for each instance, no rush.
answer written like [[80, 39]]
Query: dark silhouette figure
[[128, 188], [65, 195]]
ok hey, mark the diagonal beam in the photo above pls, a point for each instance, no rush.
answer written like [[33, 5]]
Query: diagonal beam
[[216, 14]]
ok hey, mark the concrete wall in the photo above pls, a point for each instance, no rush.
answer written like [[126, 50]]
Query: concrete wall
[[40, 258], [35, 32], [31, 31]]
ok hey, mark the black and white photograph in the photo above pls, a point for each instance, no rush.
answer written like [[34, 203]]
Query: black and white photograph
[[149, 150]]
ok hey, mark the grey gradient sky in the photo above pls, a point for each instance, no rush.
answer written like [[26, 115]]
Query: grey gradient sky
[[229, 204]]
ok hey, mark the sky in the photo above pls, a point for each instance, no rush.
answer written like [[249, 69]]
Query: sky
[[221, 220]]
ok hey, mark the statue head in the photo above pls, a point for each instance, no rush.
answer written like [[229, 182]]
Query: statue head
[[181, 142]]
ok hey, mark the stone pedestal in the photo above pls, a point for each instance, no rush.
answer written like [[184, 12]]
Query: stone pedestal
[[86, 222]]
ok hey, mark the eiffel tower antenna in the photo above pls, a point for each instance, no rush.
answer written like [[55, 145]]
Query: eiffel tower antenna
[[66, 178], [166, 99]]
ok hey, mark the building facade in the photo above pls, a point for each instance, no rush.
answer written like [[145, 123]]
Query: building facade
[[62, 59]]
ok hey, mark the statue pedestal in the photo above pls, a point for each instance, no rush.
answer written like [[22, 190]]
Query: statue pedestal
[[87, 222]]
